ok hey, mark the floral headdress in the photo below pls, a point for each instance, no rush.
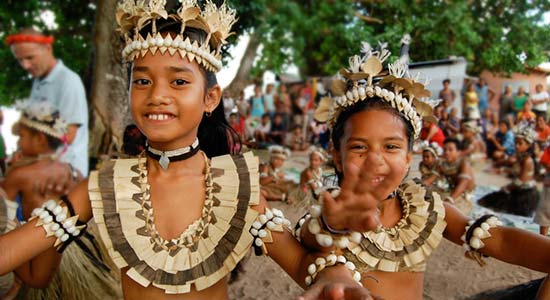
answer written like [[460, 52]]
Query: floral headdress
[[434, 148], [366, 79], [318, 151], [525, 131], [133, 15], [42, 117], [279, 151]]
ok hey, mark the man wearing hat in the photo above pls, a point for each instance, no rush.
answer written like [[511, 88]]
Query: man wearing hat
[[59, 86]]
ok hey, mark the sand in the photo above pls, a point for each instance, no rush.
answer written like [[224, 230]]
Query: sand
[[449, 276]]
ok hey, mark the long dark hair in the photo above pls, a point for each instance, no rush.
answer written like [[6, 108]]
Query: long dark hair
[[370, 104], [216, 136]]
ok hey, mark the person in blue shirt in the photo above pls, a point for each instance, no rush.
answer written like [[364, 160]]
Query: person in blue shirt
[[501, 145]]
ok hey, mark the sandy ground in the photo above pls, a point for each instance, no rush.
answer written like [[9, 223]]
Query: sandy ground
[[449, 276]]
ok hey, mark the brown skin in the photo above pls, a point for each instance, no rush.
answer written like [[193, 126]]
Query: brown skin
[[39, 271], [451, 154], [180, 94], [506, 244]]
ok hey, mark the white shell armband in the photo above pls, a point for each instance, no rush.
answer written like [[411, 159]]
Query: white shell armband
[[270, 220], [57, 221], [331, 260], [475, 232]]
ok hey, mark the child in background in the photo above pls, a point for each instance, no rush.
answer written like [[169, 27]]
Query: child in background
[[430, 161], [274, 185], [81, 273], [277, 131], [520, 197], [311, 178], [527, 114], [261, 133], [296, 140]]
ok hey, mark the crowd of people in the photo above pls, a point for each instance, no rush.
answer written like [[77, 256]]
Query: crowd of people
[[188, 201], [513, 142]]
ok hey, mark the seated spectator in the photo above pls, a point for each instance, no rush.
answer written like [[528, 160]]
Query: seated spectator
[[431, 132], [274, 185], [295, 140], [237, 124], [501, 144], [277, 130], [261, 133], [449, 123], [527, 114]]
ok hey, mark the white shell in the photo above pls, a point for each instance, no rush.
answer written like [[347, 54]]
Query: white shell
[[485, 226], [258, 242], [64, 237], [350, 265], [54, 227], [47, 219], [268, 214], [342, 242], [263, 219], [60, 218], [311, 269], [315, 211], [320, 261], [59, 232], [257, 225], [262, 233], [50, 204], [270, 225], [355, 237], [254, 231], [478, 232], [475, 243]]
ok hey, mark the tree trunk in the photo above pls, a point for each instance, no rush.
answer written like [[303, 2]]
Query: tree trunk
[[109, 96], [243, 78]]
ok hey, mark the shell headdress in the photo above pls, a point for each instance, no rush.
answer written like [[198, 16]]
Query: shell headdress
[[42, 117], [216, 21], [365, 79], [525, 131]]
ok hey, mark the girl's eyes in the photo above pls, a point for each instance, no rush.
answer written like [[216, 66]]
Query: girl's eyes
[[180, 82], [141, 81]]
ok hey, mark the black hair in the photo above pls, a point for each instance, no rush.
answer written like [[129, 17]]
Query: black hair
[[505, 123], [216, 136], [371, 104], [447, 80], [133, 140], [265, 115], [452, 140]]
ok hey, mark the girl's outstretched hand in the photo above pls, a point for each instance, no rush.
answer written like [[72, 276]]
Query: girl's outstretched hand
[[334, 283], [355, 208]]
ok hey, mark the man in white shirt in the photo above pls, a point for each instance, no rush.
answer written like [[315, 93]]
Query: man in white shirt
[[540, 100], [58, 85]]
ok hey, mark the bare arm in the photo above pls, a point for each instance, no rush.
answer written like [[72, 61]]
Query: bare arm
[[22, 244], [506, 243], [333, 283], [462, 185], [71, 132]]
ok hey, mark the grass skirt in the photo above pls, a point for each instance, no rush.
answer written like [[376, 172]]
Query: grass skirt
[[78, 277], [521, 201]]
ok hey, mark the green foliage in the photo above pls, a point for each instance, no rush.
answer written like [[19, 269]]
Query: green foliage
[[73, 39], [318, 36]]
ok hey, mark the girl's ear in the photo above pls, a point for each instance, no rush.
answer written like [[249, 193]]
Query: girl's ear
[[212, 99]]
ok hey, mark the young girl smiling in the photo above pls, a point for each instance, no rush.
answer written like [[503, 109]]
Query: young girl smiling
[[375, 118], [177, 220]]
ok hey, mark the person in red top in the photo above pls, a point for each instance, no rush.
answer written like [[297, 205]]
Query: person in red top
[[542, 129], [432, 133]]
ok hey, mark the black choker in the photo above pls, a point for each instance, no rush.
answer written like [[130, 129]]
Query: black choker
[[166, 157]]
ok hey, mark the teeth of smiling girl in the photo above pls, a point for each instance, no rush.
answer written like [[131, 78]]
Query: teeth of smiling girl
[[377, 180], [158, 117]]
